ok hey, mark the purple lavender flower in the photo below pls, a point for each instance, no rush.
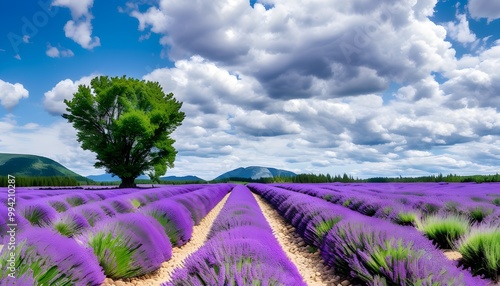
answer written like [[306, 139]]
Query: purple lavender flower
[[175, 219], [52, 259], [128, 245]]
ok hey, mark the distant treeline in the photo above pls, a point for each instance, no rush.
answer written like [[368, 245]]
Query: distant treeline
[[300, 178], [146, 182], [321, 178], [21, 181], [450, 178]]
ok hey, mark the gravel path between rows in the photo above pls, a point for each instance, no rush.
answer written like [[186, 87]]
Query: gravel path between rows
[[310, 265], [164, 273]]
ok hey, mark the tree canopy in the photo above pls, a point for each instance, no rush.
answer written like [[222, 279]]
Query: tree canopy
[[127, 122]]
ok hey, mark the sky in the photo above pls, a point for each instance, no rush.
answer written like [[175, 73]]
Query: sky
[[367, 88]]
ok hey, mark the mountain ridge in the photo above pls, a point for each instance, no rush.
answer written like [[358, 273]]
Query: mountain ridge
[[39, 166], [255, 173], [27, 165]]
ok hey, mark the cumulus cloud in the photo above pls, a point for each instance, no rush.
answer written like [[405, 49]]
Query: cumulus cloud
[[257, 123], [79, 29], [54, 99], [10, 94], [475, 82], [55, 52], [460, 31], [297, 50], [371, 88], [78, 8], [484, 9]]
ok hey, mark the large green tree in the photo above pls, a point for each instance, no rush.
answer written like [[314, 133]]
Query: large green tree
[[127, 123]]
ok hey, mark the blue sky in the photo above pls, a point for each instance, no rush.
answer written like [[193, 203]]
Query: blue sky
[[371, 88]]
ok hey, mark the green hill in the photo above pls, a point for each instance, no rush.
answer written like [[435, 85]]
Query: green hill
[[23, 165]]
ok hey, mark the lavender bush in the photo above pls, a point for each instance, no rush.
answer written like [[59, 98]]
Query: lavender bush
[[47, 258], [480, 250], [69, 223], [38, 213], [128, 245], [174, 218]]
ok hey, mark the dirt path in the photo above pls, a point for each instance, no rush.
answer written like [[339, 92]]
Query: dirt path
[[163, 274], [310, 265]]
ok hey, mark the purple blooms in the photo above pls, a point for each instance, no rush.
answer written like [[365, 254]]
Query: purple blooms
[[128, 245], [241, 250], [174, 218], [69, 223], [51, 259], [200, 202], [38, 213], [369, 249], [91, 212]]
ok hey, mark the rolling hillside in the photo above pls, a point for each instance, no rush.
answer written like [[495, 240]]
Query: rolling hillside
[[23, 165], [255, 172]]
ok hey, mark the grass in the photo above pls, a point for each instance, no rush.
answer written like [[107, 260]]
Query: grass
[[444, 230], [406, 218], [452, 207], [69, 224], [478, 214], [496, 202], [114, 253], [480, 251], [136, 203], [75, 201], [58, 206], [37, 215], [325, 226]]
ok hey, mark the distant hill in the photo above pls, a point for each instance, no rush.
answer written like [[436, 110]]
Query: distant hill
[[23, 165], [110, 178], [255, 172], [181, 179]]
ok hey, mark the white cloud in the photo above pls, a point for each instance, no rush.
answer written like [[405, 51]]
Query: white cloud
[[303, 86], [321, 66], [78, 8], [475, 83], [55, 52], [10, 94], [54, 99], [52, 52], [81, 33], [484, 9], [460, 31], [79, 29], [257, 123], [301, 49]]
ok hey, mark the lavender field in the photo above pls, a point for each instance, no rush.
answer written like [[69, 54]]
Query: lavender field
[[362, 234]]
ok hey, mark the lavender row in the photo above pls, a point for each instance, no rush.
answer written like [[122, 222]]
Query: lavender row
[[240, 250], [91, 205], [475, 233], [374, 251], [402, 209], [431, 197], [119, 246]]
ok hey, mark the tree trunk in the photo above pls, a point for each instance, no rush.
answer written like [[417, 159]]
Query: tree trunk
[[128, 183]]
